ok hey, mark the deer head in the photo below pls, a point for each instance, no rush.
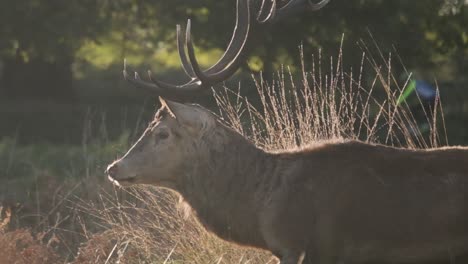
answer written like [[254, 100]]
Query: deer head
[[168, 147]]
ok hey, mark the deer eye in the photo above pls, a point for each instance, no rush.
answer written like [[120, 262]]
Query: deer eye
[[162, 135]]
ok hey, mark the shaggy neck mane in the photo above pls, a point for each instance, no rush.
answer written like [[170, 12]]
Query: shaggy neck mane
[[222, 186]]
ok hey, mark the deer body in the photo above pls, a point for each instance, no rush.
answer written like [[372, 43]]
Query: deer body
[[340, 201]]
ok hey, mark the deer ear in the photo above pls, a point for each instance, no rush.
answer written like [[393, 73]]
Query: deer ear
[[166, 104], [189, 115]]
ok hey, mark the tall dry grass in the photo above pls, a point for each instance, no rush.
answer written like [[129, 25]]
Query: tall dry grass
[[39, 188], [316, 106], [150, 225]]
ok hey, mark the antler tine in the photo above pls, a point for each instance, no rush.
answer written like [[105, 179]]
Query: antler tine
[[229, 62], [162, 88], [238, 39], [137, 81], [183, 56], [271, 14], [191, 54], [290, 7], [320, 5]]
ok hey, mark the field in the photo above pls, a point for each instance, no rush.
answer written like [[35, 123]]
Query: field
[[58, 207]]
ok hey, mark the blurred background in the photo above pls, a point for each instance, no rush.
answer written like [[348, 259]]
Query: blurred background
[[66, 112], [61, 61]]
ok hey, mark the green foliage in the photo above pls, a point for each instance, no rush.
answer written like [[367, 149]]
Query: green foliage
[[48, 29], [423, 32]]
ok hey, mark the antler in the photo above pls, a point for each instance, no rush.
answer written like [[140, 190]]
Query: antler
[[286, 9], [229, 62], [223, 69]]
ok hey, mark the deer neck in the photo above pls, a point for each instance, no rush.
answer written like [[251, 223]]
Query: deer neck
[[222, 189]]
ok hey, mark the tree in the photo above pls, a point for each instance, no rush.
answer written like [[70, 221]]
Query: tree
[[38, 41], [422, 32]]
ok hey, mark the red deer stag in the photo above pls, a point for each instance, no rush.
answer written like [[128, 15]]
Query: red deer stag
[[342, 202]]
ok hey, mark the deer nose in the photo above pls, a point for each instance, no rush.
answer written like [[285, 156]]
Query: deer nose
[[112, 170]]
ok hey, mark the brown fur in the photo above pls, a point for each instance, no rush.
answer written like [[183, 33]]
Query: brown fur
[[345, 201]]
